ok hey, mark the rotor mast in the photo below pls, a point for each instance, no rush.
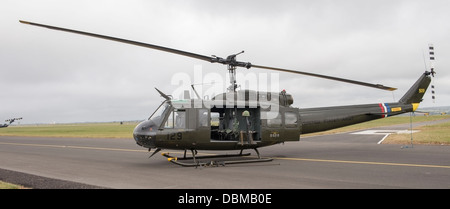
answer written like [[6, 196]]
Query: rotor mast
[[232, 72], [232, 63]]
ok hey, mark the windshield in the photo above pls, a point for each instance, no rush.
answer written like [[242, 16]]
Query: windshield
[[159, 113]]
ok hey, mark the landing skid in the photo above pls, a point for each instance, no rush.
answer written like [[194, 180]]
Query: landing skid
[[216, 163]]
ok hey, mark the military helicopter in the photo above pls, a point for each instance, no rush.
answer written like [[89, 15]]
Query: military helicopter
[[245, 119], [10, 122]]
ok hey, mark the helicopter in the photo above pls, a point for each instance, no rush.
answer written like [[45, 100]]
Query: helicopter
[[245, 119], [10, 122]]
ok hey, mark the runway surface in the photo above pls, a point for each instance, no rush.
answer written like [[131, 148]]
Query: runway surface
[[346, 160]]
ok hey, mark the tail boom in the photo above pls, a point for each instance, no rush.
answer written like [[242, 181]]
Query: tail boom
[[326, 118]]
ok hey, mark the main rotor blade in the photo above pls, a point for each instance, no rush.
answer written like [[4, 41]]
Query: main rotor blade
[[211, 59], [378, 86], [170, 50]]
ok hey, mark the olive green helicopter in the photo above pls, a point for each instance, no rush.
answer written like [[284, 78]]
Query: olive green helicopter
[[246, 119]]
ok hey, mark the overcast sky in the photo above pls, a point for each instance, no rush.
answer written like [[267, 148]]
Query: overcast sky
[[51, 76]]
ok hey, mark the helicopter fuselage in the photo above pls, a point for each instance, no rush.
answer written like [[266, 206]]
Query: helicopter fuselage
[[208, 128], [248, 119]]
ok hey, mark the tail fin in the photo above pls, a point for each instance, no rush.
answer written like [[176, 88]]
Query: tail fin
[[415, 94]]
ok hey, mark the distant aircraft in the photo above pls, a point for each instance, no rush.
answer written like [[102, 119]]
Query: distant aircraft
[[10, 121]]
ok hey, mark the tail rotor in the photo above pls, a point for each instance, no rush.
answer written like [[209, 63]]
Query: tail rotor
[[432, 58]]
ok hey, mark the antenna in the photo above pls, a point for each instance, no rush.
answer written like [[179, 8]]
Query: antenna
[[195, 91], [411, 131]]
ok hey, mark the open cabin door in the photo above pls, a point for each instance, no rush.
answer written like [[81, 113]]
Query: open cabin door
[[242, 125]]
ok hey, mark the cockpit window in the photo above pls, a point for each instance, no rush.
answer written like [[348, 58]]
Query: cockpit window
[[158, 116], [176, 119]]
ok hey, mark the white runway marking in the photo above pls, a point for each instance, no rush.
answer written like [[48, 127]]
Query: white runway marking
[[386, 133]]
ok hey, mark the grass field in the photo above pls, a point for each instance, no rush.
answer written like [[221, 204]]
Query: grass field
[[437, 134], [85, 130], [4, 185]]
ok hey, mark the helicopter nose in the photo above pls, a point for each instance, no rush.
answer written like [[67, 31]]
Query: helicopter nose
[[144, 135], [146, 141]]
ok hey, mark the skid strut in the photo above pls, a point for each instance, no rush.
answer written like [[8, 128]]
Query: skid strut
[[197, 163]]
